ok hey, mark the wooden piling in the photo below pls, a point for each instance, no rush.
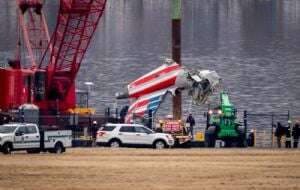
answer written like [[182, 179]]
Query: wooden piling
[[176, 52]]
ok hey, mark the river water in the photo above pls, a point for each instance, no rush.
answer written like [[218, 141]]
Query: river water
[[253, 44]]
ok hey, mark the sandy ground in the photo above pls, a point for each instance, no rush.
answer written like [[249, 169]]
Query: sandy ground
[[103, 168]]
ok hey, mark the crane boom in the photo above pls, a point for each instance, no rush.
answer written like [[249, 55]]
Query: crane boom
[[35, 32], [76, 23], [44, 70]]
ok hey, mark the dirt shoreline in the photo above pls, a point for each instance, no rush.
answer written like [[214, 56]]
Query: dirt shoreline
[[103, 168]]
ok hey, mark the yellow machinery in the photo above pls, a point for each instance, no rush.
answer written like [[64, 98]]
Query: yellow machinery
[[82, 111]]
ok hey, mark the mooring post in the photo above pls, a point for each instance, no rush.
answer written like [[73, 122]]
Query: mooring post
[[176, 51]]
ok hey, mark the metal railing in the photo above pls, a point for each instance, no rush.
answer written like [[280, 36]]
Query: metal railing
[[263, 126]]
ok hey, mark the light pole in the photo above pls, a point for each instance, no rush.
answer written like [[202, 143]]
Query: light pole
[[89, 86]]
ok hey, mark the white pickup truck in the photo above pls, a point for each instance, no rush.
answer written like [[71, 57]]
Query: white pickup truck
[[26, 136]]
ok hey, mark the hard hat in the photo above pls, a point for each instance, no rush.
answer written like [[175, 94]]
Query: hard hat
[[289, 121], [95, 122]]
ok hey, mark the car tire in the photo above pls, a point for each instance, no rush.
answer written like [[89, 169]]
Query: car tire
[[7, 148], [114, 143], [58, 148], [98, 144], [159, 144]]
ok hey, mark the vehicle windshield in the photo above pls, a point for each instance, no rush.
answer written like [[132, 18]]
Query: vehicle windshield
[[107, 128], [7, 129], [149, 131]]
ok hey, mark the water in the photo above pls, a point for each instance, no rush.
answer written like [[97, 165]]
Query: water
[[253, 44]]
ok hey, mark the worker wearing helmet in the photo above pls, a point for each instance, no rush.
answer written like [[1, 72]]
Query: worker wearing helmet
[[191, 122], [288, 135], [94, 131], [159, 128]]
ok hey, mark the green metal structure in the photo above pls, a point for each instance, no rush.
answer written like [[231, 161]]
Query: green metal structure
[[222, 125]]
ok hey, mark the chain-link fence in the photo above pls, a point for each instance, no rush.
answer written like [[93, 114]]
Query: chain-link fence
[[263, 126]]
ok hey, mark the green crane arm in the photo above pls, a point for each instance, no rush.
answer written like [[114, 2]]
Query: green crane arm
[[226, 107]]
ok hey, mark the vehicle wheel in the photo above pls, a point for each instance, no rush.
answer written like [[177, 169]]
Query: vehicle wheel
[[228, 143], [33, 151], [98, 144], [115, 144], [242, 142], [159, 144], [7, 148], [58, 148]]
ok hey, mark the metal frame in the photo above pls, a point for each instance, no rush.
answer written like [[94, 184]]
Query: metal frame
[[59, 57], [76, 24]]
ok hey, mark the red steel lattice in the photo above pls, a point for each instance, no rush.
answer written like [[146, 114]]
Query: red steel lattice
[[76, 24]]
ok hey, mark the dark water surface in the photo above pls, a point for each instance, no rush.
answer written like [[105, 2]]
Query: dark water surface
[[253, 44]]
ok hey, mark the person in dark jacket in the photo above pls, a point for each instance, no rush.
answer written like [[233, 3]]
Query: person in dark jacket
[[279, 133], [94, 129], [251, 138], [288, 135], [190, 119], [123, 113], [296, 134]]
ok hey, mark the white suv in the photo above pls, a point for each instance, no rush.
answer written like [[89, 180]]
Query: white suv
[[116, 135]]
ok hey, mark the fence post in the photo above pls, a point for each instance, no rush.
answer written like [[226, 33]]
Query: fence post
[[207, 119], [117, 113], [254, 132], [272, 130], [107, 112], [245, 123]]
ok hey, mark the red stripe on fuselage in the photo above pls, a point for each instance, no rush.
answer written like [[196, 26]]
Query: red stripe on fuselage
[[159, 86], [154, 75], [139, 104]]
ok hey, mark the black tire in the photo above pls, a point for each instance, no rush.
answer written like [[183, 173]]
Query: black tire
[[114, 143], [58, 148], [242, 141], [33, 151], [7, 148], [159, 144], [229, 143], [98, 144], [210, 136]]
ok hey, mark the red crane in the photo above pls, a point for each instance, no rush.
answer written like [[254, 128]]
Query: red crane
[[44, 69]]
